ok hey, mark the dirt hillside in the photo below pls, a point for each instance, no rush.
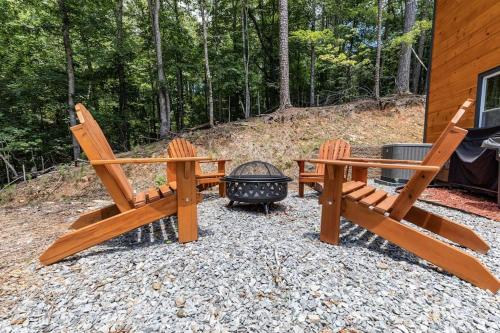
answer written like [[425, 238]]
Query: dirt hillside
[[277, 138]]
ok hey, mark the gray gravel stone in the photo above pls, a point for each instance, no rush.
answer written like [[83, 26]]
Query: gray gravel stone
[[251, 272], [180, 302]]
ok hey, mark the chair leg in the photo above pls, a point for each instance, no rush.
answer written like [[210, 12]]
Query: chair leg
[[96, 233], [187, 214], [301, 189], [449, 258], [221, 168], [455, 232], [222, 189], [331, 199]]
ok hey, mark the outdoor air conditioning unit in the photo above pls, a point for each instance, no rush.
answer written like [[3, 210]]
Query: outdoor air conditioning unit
[[402, 151]]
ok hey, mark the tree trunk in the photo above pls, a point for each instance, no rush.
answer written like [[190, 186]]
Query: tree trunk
[[207, 65], [163, 97], [122, 84], [71, 74], [180, 98], [179, 74], [246, 55], [403, 79], [90, 70], [258, 103], [417, 70], [8, 166], [376, 89], [312, 77], [283, 52]]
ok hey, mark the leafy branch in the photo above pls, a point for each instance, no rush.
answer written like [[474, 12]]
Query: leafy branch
[[411, 36]]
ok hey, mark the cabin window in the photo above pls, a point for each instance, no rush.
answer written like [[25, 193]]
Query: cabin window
[[489, 97]]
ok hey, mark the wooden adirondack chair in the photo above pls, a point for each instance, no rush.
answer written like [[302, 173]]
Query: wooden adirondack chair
[[381, 213], [180, 148], [129, 211], [329, 150]]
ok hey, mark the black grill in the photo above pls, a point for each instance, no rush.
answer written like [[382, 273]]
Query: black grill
[[256, 182]]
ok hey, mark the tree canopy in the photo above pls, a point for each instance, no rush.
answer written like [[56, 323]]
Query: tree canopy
[[115, 65]]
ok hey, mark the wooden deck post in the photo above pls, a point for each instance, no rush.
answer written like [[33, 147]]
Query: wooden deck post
[[187, 214], [332, 201]]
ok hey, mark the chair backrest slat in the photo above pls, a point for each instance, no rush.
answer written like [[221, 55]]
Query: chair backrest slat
[[180, 147], [323, 151], [332, 150], [440, 152], [96, 146]]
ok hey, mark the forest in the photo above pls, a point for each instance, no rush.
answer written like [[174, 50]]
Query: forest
[[151, 69]]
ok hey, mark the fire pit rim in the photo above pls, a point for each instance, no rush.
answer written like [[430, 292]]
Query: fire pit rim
[[259, 178], [256, 179]]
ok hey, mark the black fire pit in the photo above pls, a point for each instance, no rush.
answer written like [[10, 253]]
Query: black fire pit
[[256, 182]]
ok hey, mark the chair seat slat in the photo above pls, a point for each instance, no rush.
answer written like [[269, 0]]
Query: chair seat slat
[[374, 198], [361, 193]]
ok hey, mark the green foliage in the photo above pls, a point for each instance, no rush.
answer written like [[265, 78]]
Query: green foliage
[[411, 36], [337, 58], [34, 120], [313, 36], [16, 139], [160, 180]]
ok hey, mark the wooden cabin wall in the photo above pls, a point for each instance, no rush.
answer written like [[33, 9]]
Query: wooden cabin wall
[[466, 43]]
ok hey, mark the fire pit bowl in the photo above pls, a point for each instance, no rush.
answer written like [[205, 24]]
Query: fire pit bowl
[[256, 182]]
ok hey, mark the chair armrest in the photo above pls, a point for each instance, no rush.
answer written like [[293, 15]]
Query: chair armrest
[[356, 159], [148, 160], [308, 161], [380, 164], [215, 161]]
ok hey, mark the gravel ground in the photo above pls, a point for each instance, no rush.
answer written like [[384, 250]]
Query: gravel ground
[[251, 272]]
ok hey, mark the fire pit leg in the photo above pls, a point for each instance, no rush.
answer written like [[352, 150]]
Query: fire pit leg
[[266, 208], [230, 203]]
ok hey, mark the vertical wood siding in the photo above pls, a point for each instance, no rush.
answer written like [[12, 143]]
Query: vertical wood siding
[[466, 43]]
